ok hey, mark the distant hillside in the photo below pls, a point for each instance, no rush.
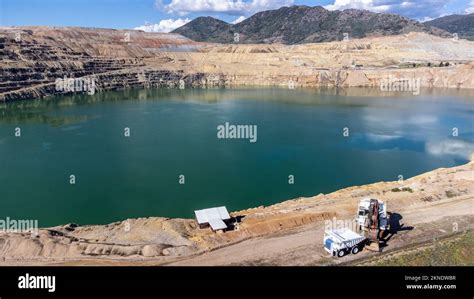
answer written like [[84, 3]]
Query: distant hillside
[[207, 29], [302, 24], [463, 25]]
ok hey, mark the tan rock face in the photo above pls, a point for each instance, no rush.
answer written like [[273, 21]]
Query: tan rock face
[[152, 250], [119, 59]]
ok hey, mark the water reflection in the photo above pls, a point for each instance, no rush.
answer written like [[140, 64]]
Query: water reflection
[[20, 117], [173, 132], [461, 148], [353, 96]]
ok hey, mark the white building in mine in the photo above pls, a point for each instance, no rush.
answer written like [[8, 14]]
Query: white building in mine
[[216, 218]]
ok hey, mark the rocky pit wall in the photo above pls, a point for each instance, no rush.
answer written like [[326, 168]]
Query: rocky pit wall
[[457, 77], [31, 64]]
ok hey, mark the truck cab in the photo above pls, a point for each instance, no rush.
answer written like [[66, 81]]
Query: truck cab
[[363, 214]]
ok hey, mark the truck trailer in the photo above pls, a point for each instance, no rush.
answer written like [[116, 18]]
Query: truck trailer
[[340, 242]]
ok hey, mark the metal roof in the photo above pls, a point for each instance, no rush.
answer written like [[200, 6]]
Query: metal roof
[[217, 224], [213, 216]]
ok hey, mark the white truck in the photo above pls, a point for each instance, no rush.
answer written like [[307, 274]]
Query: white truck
[[370, 211], [339, 242]]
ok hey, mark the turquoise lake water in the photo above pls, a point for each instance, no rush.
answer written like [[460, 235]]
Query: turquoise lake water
[[174, 132]]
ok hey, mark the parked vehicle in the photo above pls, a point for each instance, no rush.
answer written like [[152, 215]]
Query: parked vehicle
[[372, 220], [372, 213], [340, 242]]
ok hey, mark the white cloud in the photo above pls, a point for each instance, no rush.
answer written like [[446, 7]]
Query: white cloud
[[361, 4], [426, 19], [459, 148], [470, 9], [381, 137], [239, 19], [415, 9], [235, 7], [422, 119], [164, 25], [387, 121]]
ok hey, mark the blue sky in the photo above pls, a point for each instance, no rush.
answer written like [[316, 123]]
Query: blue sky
[[164, 15]]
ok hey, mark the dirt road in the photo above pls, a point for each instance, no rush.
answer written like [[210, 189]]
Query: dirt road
[[304, 246]]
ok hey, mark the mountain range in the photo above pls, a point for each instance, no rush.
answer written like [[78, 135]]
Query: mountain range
[[305, 24], [463, 25]]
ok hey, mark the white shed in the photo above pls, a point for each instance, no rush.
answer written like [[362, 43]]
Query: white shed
[[213, 217]]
